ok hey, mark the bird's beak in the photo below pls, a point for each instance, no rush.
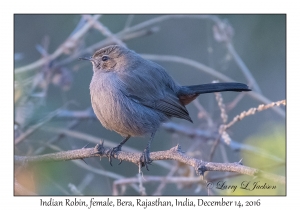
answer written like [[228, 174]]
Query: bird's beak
[[87, 59]]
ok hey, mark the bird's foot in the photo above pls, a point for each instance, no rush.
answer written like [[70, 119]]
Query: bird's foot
[[112, 152], [145, 159]]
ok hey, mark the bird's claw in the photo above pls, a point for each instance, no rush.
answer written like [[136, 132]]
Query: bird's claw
[[112, 152], [145, 159]]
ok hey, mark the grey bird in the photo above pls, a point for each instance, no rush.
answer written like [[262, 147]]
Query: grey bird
[[133, 96]]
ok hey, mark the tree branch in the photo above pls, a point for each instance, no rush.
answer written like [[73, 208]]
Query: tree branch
[[174, 153]]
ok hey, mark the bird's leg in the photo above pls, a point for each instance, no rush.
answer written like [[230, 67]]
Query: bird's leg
[[116, 149], [145, 158]]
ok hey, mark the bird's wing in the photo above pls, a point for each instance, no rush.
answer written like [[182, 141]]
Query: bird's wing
[[153, 88]]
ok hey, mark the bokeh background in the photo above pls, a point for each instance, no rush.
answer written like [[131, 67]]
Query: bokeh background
[[260, 43]]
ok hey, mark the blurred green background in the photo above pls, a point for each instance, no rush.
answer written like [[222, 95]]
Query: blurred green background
[[260, 41]]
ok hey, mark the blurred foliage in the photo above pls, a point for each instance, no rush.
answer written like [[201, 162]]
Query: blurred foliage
[[272, 140]]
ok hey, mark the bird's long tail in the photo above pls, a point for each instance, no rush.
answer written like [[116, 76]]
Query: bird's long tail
[[218, 87], [188, 93]]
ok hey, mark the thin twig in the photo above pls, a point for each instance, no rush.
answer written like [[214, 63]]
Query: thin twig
[[69, 43], [128, 22], [165, 180], [213, 148], [74, 189], [221, 105], [104, 30], [142, 189], [243, 67], [72, 125], [167, 17], [152, 179], [235, 101], [252, 111], [203, 113], [33, 128]]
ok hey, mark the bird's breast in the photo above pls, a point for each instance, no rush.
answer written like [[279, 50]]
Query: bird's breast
[[119, 113]]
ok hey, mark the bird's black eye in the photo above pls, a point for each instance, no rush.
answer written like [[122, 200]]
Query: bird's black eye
[[105, 58]]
